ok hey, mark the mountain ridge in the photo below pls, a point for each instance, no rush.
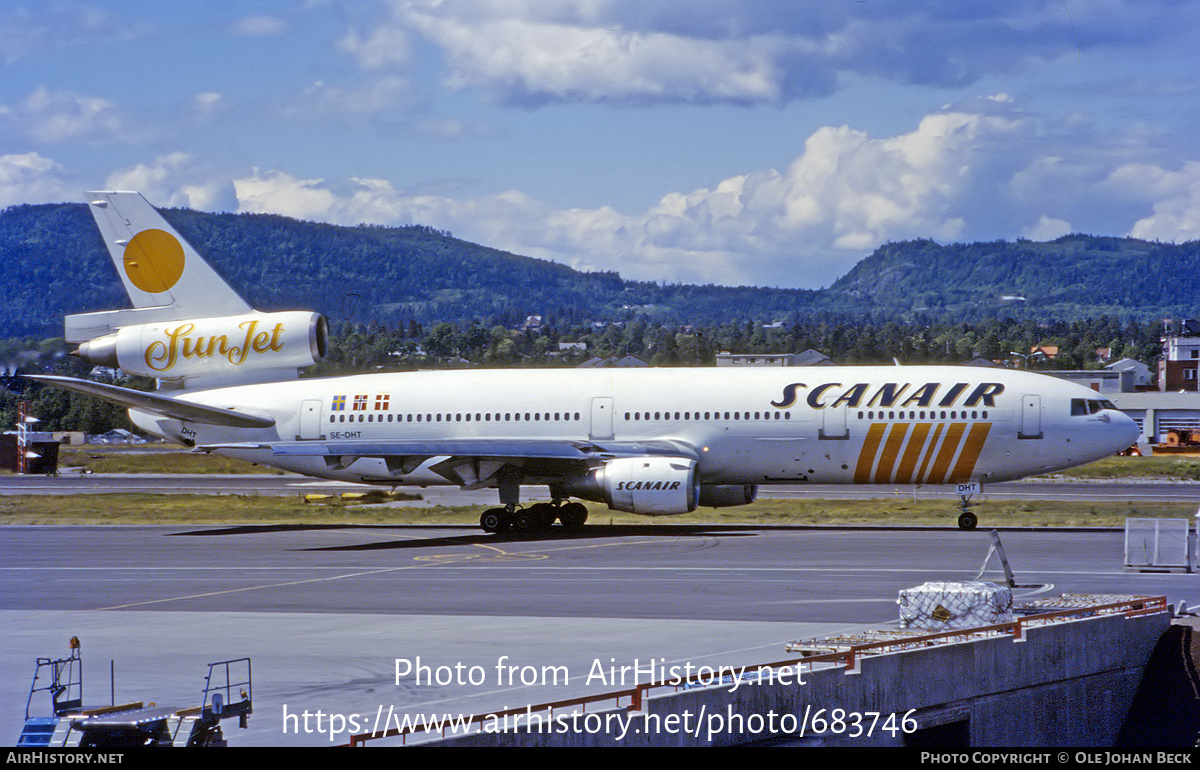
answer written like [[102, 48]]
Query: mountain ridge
[[57, 264]]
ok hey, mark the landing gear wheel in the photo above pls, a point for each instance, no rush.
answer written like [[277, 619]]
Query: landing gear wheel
[[967, 520], [492, 520], [573, 515], [541, 515], [521, 521]]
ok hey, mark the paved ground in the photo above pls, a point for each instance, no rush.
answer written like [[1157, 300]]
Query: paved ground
[[325, 612]]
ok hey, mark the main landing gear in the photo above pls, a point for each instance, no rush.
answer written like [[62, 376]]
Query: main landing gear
[[511, 517], [539, 516]]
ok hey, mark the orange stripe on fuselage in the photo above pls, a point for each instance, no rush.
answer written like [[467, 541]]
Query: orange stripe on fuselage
[[866, 457], [933, 442], [970, 453], [878, 456], [954, 433], [915, 444], [891, 450]]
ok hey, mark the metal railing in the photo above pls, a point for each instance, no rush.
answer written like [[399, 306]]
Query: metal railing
[[219, 699]]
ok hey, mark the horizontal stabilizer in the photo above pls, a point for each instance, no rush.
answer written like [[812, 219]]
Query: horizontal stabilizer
[[174, 408]]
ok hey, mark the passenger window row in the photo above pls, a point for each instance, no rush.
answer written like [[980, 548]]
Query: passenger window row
[[708, 416], [953, 414], [461, 417]]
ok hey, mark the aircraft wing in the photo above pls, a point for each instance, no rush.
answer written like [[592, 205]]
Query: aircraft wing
[[481, 449], [470, 462], [151, 402]]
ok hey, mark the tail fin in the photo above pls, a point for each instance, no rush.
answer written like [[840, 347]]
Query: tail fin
[[164, 276], [157, 266], [187, 327]]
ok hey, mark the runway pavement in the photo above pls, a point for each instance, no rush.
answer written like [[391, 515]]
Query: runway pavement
[[326, 612]]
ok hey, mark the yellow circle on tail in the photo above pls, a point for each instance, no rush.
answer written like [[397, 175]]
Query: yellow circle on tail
[[153, 260]]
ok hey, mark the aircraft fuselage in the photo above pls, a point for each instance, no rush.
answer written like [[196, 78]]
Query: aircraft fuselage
[[835, 425]]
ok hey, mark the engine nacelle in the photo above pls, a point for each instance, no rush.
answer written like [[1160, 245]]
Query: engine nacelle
[[652, 486], [229, 349], [727, 495]]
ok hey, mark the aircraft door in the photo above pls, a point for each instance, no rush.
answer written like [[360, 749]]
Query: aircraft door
[[310, 420], [834, 423], [602, 418], [1031, 416]]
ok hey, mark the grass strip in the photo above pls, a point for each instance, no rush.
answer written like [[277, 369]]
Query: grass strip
[[152, 509]]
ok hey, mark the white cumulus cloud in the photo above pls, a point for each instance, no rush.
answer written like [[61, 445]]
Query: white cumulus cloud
[[386, 45], [54, 117], [703, 51], [177, 179], [979, 172], [531, 61], [32, 178], [1176, 195]]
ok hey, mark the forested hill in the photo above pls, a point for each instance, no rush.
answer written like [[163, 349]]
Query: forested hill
[[55, 263], [1071, 277]]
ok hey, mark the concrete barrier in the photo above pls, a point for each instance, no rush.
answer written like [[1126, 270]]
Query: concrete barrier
[[1066, 683]]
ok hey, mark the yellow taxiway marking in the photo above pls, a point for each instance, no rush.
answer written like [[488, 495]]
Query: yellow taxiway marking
[[499, 554], [258, 588]]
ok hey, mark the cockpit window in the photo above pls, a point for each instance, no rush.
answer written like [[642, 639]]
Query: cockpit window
[[1085, 406]]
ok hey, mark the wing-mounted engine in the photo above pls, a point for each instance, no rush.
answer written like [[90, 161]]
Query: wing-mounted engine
[[229, 350], [653, 486]]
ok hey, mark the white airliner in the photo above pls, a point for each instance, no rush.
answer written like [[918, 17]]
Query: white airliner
[[650, 441]]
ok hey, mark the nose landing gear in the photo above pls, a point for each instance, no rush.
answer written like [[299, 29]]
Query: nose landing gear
[[967, 519]]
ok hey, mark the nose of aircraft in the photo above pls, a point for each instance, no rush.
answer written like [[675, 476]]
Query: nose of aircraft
[[1128, 430], [1121, 433]]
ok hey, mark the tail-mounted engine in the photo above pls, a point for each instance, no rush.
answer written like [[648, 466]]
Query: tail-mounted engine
[[230, 350]]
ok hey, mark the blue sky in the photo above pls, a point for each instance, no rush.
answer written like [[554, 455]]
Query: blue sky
[[766, 142]]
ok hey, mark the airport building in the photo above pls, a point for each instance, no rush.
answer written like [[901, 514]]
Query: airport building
[[1166, 408], [807, 358], [1162, 417], [1179, 366]]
